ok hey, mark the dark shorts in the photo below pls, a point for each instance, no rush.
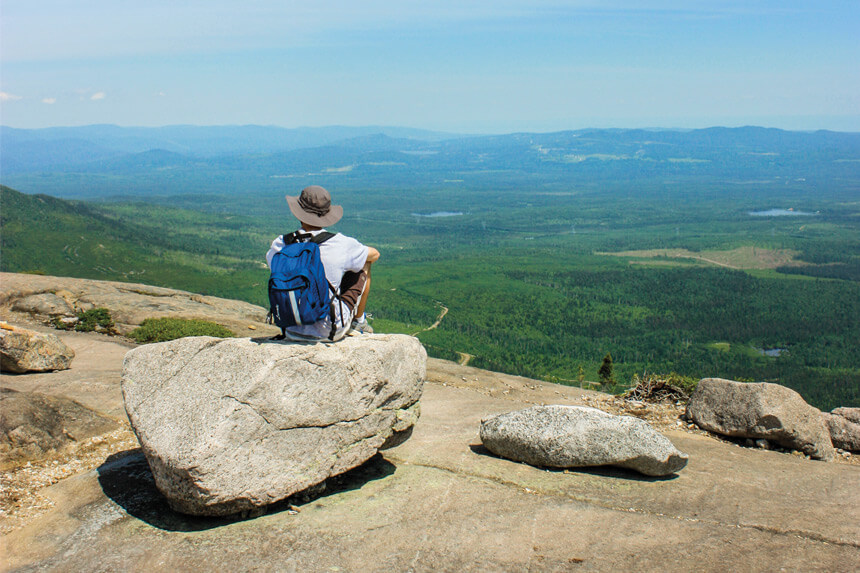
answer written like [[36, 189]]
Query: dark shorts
[[351, 288]]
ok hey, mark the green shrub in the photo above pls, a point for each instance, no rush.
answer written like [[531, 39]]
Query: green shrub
[[94, 319], [163, 329], [605, 372], [98, 319]]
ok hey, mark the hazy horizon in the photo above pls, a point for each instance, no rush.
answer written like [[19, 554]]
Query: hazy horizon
[[441, 132]]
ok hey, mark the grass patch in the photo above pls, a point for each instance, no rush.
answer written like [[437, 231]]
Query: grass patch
[[164, 329]]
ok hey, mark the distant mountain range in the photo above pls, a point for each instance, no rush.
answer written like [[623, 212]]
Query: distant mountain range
[[63, 147], [105, 160]]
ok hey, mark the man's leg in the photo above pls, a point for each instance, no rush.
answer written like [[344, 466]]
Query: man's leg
[[359, 312], [352, 287]]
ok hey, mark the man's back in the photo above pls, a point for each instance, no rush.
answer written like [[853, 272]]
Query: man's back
[[345, 260]]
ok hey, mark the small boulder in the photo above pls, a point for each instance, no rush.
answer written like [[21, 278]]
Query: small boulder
[[760, 410], [232, 425], [578, 436], [23, 350], [844, 433], [850, 414]]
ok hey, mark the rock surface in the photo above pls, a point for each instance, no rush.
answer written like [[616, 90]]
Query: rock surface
[[436, 503], [850, 414], [33, 424], [578, 436], [844, 433], [233, 425], [24, 350], [768, 411], [46, 304], [39, 297]]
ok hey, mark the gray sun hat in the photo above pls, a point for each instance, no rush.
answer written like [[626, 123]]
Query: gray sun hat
[[314, 207]]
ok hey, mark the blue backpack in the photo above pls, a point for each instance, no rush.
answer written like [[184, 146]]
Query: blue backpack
[[299, 292]]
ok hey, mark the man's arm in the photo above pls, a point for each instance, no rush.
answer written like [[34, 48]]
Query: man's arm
[[372, 256]]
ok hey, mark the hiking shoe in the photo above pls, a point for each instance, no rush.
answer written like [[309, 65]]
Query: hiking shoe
[[362, 326]]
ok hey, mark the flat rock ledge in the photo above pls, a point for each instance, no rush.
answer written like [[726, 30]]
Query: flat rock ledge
[[23, 350], [33, 424], [579, 436], [232, 425], [760, 410]]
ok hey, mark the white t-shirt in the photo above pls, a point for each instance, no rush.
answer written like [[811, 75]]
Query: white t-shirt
[[339, 254]]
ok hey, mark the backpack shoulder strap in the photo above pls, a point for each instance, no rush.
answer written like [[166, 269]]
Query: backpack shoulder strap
[[321, 238], [295, 237], [299, 237]]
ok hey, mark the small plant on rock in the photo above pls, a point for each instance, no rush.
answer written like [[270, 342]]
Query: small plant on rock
[[164, 329], [96, 319]]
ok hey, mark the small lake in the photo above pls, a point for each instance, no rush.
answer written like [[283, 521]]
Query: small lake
[[439, 214], [772, 352], [780, 213]]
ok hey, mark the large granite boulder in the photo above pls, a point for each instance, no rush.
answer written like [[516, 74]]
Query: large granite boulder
[[33, 424], [23, 350], [760, 410], [578, 436], [844, 433], [232, 425]]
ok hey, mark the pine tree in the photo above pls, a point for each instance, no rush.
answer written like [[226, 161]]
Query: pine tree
[[605, 372]]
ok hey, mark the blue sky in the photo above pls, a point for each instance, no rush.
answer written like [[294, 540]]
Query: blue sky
[[479, 66]]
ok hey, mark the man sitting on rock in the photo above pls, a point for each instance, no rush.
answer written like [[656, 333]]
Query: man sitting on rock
[[346, 262]]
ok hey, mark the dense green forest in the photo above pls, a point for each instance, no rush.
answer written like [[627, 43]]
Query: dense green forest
[[521, 274]]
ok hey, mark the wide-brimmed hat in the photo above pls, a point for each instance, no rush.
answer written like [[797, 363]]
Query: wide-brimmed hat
[[314, 207]]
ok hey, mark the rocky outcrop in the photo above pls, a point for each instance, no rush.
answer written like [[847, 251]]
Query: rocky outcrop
[[232, 425], [844, 433], [23, 350], [41, 298], [44, 304], [32, 424], [761, 410], [578, 436]]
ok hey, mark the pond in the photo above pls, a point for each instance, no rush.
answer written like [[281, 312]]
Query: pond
[[772, 352], [439, 214], [780, 213]]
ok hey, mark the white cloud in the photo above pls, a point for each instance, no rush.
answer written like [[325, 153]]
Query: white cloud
[[4, 96], [97, 96], [49, 100]]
